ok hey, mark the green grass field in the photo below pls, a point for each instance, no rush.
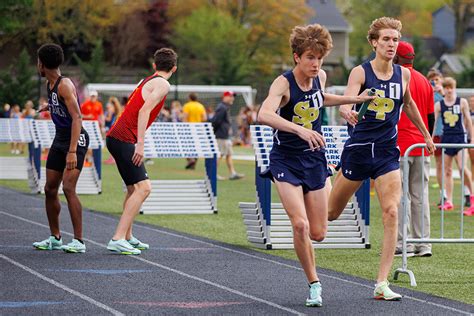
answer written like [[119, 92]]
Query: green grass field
[[448, 273]]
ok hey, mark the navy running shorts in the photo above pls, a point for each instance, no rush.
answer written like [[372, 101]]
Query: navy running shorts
[[453, 139], [360, 162], [308, 169]]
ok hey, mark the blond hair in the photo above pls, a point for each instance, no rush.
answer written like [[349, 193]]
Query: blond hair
[[314, 37], [449, 82], [117, 106], [381, 24]]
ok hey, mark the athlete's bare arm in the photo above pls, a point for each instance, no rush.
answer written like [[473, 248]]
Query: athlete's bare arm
[[354, 83], [67, 92], [278, 96], [437, 112], [467, 118], [153, 92], [411, 110], [334, 99]]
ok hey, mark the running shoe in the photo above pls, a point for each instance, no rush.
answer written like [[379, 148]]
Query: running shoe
[[314, 299], [447, 206], [49, 244], [123, 247], [75, 246], [137, 244], [469, 211], [383, 292]]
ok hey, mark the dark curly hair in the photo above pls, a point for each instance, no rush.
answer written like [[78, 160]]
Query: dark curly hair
[[51, 55], [165, 59]]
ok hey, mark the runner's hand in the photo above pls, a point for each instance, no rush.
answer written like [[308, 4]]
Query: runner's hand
[[313, 138], [71, 161], [138, 155], [350, 115]]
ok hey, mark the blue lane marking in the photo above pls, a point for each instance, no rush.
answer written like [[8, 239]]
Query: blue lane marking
[[27, 304], [98, 271]]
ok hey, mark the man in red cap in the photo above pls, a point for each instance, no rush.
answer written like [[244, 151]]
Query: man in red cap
[[223, 129], [418, 166]]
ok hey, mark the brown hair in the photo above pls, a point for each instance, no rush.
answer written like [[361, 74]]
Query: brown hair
[[312, 37], [449, 82], [381, 24], [193, 96], [433, 73], [165, 59]]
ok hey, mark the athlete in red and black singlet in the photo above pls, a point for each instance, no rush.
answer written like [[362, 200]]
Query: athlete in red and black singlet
[[125, 128], [122, 136]]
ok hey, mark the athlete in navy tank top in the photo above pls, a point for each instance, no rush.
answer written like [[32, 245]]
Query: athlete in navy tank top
[[303, 108], [67, 152], [371, 150], [454, 113], [297, 161], [379, 125]]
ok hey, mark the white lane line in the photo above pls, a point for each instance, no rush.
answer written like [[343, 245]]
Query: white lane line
[[222, 287], [282, 264], [62, 286]]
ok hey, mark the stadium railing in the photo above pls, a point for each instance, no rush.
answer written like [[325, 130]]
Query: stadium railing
[[443, 238]]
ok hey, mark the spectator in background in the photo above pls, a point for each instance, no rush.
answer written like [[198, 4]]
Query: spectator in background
[[16, 114], [223, 130], [6, 110], [92, 110], [418, 163], [245, 120], [43, 115], [176, 111], [193, 112], [436, 79], [210, 112], [113, 110]]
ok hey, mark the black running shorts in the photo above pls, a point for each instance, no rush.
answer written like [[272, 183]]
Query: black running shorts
[[60, 147], [123, 153]]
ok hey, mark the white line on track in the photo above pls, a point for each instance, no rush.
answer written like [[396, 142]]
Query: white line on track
[[109, 218], [280, 263], [222, 287], [62, 286]]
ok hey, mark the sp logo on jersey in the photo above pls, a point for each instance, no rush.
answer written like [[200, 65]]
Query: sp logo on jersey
[[307, 113], [450, 118], [381, 105]]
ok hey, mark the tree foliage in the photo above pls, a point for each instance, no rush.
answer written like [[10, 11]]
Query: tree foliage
[[263, 28], [17, 83], [92, 70], [414, 15]]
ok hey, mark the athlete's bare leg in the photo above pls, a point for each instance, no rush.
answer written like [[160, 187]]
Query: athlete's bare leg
[[130, 189], [52, 203], [132, 206], [448, 176], [294, 203], [388, 188], [70, 178], [342, 191]]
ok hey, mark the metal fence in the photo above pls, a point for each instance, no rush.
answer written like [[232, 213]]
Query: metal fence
[[404, 203]]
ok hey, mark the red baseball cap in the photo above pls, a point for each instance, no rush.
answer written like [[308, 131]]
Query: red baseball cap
[[228, 94], [405, 50]]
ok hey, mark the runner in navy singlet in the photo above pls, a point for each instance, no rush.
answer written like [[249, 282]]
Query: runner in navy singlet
[[371, 151], [454, 113], [297, 161], [67, 153]]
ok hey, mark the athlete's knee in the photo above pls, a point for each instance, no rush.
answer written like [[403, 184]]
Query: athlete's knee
[[390, 214], [50, 191], [448, 171], [143, 188], [301, 227], [69, 188], [318, 234]]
